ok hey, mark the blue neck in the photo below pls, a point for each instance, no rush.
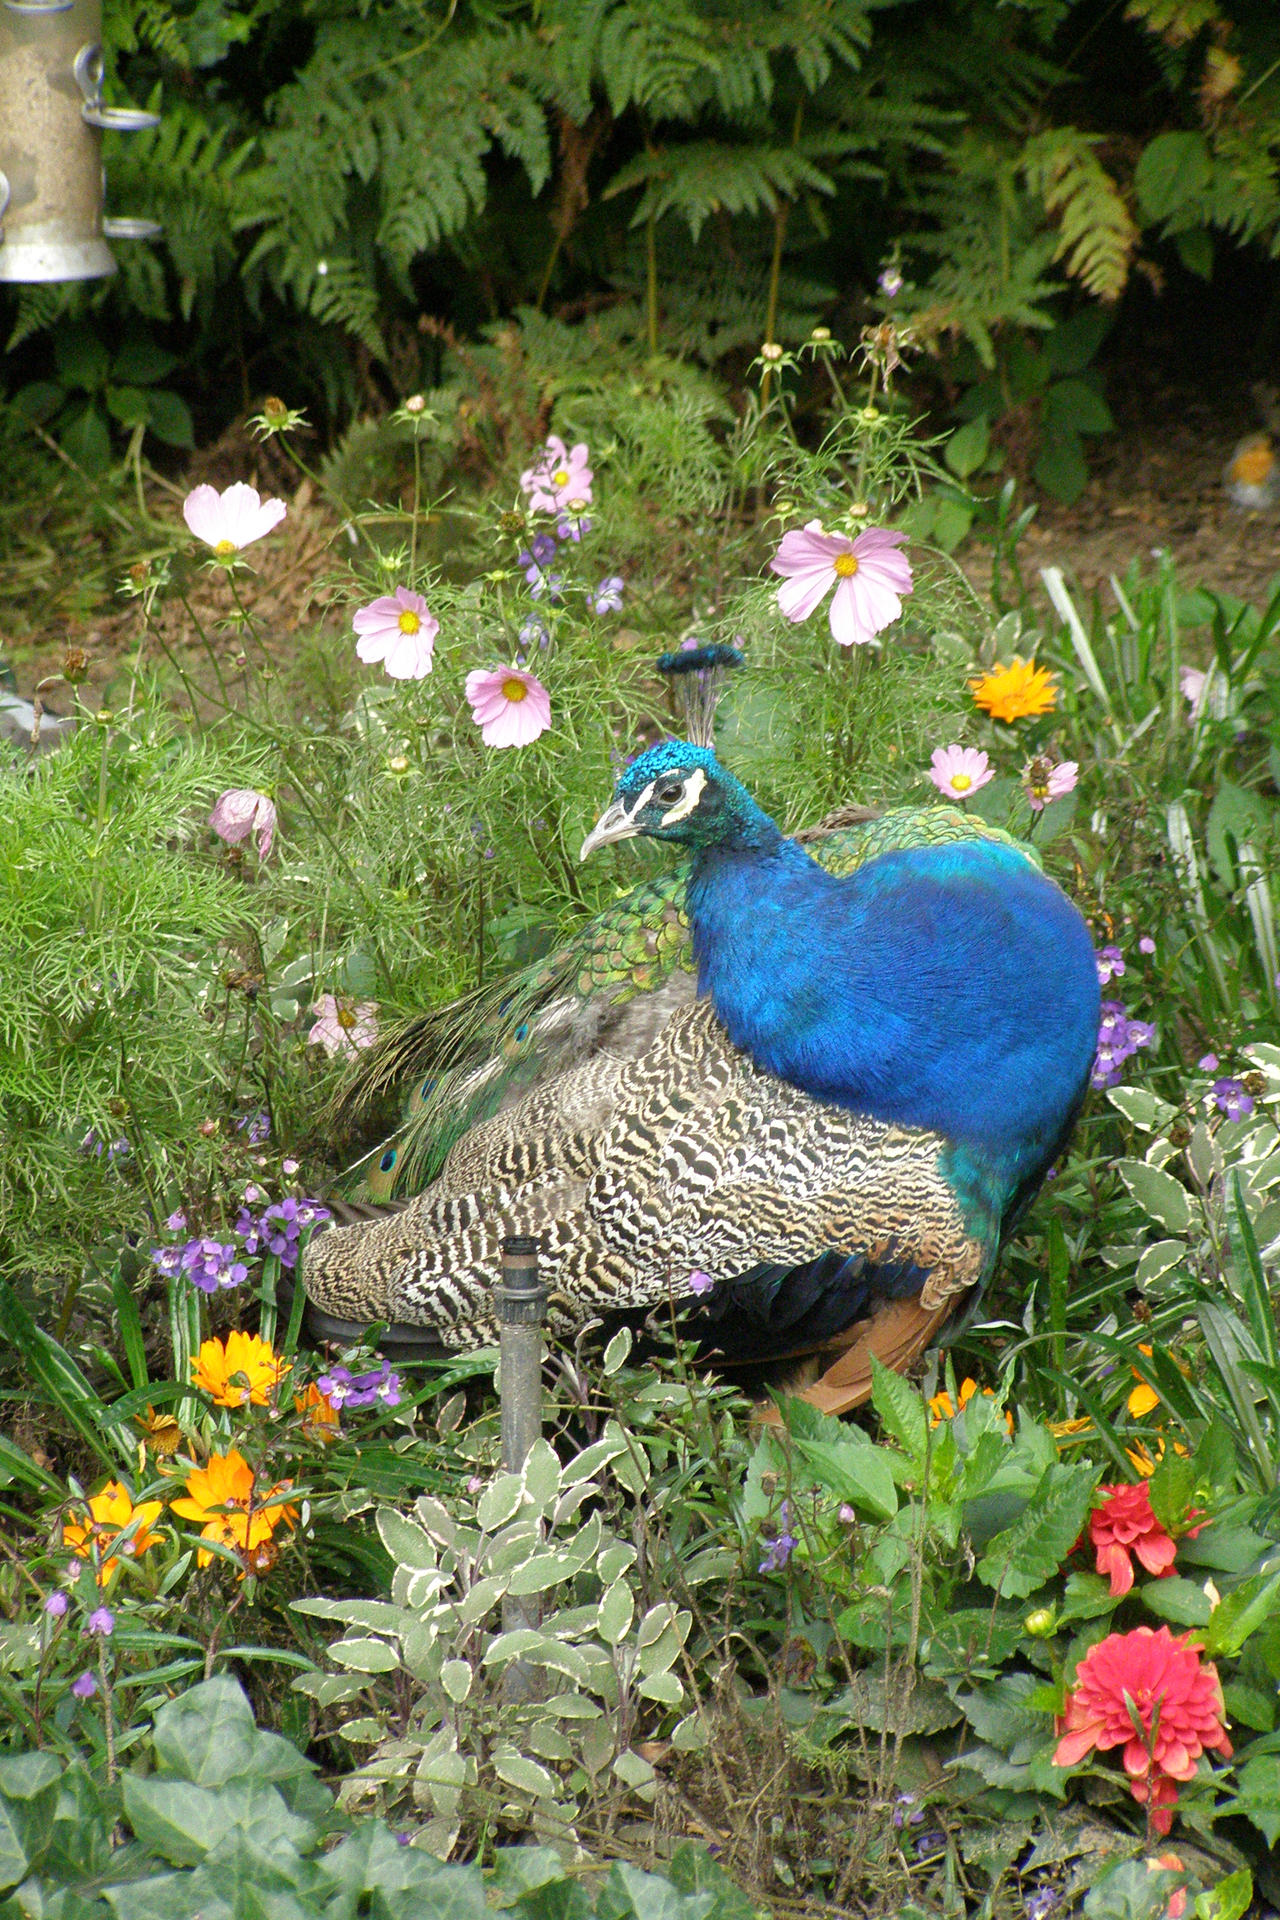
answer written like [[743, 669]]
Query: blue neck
[[948, 987]]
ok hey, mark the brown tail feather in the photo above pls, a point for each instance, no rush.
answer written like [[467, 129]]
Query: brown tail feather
[[895, 1335]]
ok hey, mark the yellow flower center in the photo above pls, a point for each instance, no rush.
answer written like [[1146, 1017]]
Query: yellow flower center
[[514, 690], [846, 565], [560, 478], [409, 621], [960, 783], [345, 1018], [224, 547]]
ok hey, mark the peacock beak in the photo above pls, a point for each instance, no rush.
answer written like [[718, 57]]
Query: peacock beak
[[615, 823]]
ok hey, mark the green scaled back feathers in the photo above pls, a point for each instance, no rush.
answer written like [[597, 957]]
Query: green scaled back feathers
[[468, 1060]]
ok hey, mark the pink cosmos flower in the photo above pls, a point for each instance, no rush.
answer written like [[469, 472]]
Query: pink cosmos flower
[[511, 707], [869, 576], [231, 520], [242, 811], [1192, 682], [960, 771], [560, 479], [400, 630], [1043, 780], [345, 1025]]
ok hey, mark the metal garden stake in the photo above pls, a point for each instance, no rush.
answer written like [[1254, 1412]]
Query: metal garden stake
[[521, 1301]]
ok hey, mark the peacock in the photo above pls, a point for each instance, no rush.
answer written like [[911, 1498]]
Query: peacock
[[805, 1085]]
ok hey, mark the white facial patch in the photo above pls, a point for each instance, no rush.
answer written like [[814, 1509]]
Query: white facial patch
[[634, 813], [688, 800]]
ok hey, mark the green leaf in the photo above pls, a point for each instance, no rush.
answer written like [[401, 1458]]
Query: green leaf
[[615, 1354], [408, 1544], [81, 358], [169, 418], [617, 1611], [968, 447], [1173, 171], [1240, 1613], [1171, 1489], [28, 1802], [86, 439], [1179, 1600], [1158, 1194], [1141, 1107], [1026, 1554], [365, 1656], [856, 1472], [1231, 1899], [1196, 251], [1061, 468], [182, 1822], [128, 405], [526, 1775], [1258, 1795], [902, 1410], [1076, 406], [207, 1735], [139, 362]]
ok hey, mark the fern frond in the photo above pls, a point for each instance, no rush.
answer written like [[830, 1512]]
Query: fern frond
[[703, 177], [1176, 21], [1097, 235]]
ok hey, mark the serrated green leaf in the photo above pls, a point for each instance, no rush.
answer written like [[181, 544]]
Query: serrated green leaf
[[902, 1410], [1028, 1553]]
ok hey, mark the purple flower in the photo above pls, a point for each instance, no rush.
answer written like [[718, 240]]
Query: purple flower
[[572, 527], [890, 283], [780, 1549], [1229, 1097], [607, 597], [543, 548], [56, 1604], [1146, 944], [905, 1811], [1110, 965], [344, 1389], [210, 1264], [699, 1282], [1041, 1903], [289, 1166], [277, 1230], [535, 633], [101, 1621], [177, 1222], [85, 1687], [1118, 1038], [1208, 1063], [257, 1124], [548, 583]]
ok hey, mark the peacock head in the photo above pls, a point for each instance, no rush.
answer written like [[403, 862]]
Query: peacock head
[[681, 793]]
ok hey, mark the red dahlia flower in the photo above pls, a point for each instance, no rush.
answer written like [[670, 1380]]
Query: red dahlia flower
[[1150, 1680], [1124, 1523]]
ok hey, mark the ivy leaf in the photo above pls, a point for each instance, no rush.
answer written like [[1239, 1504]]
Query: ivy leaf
[[1029, 1552]]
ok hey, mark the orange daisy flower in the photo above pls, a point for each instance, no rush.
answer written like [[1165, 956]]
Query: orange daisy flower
[[223, 1496], [941, 1408], [1016, 692], [242, 1372], [319, 1415], [111, 1513]]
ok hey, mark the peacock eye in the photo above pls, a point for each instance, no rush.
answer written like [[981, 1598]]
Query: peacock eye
[[668, 790]]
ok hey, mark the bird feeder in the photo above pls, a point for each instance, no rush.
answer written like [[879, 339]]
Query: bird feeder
[[52, 118]]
